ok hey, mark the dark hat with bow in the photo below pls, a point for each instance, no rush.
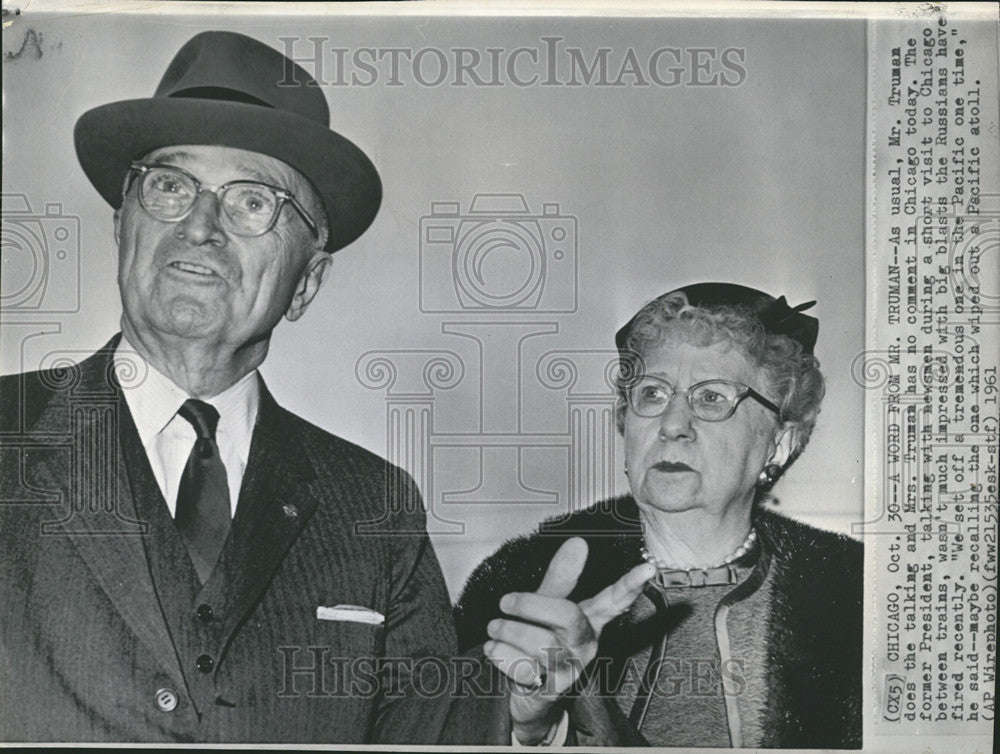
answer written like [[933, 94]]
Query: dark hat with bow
[[774, 314], [227, 89]]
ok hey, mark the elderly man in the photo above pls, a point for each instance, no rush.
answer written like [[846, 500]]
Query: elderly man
[[181, 559]]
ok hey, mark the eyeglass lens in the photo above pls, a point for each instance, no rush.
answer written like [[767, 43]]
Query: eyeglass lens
[[245, 208], [711, 401]]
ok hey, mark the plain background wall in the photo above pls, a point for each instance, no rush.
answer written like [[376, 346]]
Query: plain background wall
[[760, 184]]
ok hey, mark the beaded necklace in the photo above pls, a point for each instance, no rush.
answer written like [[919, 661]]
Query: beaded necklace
[[738, 553]]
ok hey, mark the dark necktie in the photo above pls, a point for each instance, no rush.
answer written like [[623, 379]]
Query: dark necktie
[[202, 515]]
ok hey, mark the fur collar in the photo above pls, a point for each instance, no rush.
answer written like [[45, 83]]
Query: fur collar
[[815, 636]]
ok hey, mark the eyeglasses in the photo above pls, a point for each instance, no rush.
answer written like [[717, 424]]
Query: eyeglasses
[[244, 208], [711, 401]]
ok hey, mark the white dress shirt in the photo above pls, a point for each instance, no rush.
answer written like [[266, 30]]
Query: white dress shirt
[[168, 437]]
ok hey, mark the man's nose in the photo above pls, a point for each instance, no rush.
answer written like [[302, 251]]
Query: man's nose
[[201, 225], [676, 423]]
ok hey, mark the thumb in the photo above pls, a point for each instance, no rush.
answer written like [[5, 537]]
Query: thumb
[[564, 569], [617, 598]]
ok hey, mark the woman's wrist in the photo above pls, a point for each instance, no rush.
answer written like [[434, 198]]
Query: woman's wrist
[[535, 730]]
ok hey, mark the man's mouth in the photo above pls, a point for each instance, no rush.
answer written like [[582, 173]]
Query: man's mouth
[[197, 269], [671, 467]]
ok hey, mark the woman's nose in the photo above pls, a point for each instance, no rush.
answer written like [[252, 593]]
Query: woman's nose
[[677, 421]]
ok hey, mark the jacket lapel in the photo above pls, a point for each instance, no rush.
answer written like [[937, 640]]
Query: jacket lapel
[[96, 512], [276, 502]]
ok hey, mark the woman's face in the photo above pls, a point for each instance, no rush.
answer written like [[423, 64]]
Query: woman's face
[[678, 462]]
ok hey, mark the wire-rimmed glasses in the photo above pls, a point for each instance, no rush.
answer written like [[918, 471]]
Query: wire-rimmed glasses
[[244, 207]]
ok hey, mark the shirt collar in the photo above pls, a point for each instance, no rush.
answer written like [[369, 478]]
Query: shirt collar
[[153, 399]]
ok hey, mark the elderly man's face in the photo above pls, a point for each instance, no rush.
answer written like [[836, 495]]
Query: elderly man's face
[[194, 280]]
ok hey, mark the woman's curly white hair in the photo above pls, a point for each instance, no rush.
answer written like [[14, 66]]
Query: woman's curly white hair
[[792, 375]]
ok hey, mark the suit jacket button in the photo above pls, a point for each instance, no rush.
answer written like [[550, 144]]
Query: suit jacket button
[[290, 510], [166, 700], [204, 613], [204, 663]]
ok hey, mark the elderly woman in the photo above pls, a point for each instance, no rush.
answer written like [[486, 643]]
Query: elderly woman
[[687, 613]]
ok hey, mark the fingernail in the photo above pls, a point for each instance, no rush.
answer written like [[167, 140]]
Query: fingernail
[[505, 602], [492, 627]]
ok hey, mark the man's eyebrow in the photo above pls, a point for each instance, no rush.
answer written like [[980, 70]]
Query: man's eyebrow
[[179, 154], [257, 175], [249, 170]]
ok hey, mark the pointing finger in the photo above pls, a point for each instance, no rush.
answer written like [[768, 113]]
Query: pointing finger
[[564, 569]]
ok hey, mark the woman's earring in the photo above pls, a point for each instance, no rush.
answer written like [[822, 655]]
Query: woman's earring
[[769, 473]]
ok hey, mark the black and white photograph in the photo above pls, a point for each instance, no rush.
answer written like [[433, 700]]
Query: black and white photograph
[[478, 374]]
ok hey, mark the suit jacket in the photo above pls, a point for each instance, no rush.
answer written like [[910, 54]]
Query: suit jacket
[[95, 644], [814, 637]]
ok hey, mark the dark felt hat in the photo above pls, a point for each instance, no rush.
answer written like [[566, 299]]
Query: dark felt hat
[[774, 314], [227, 89]]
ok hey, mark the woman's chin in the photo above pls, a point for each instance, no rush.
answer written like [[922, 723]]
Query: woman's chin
[[669, 492], [672, 503]]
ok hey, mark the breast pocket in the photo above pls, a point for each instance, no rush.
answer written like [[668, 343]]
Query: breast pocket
[[349, 633]]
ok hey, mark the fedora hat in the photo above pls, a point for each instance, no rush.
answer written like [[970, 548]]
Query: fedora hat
[[227, 89]]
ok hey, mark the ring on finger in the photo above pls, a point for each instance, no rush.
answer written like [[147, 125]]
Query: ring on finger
[[536, 682]]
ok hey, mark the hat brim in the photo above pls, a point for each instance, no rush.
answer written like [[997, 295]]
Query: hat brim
[[108, 138]]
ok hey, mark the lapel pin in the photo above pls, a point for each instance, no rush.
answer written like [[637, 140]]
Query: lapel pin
[[290, 510]]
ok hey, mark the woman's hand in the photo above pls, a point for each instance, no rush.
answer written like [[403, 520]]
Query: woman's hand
[[549, 641]]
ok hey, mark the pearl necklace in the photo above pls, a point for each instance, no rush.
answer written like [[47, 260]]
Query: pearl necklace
[[738, 553]]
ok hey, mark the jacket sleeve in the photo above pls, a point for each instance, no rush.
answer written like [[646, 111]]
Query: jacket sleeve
[[415, 668]]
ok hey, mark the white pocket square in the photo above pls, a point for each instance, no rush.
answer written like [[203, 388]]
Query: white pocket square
[[354, 613]]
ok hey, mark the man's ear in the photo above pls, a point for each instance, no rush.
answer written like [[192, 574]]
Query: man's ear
[[309, 285], [785, 442]]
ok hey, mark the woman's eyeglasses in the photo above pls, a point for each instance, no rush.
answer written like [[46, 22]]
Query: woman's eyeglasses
[[711, 400]]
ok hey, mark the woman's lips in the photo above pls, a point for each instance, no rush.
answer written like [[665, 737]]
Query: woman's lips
[[671, 467]]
